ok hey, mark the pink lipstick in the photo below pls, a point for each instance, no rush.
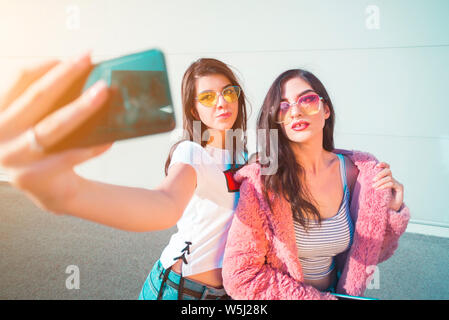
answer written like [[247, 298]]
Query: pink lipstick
[[300, 125], [224, 115]]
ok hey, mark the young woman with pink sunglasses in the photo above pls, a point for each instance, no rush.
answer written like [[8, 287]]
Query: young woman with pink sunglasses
[[322, 222]]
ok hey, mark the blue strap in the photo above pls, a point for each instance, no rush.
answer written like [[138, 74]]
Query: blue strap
[[346, 193], [342, 171]]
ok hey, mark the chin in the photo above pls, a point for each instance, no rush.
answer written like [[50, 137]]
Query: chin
[[219, 126], [225, 125], [299, 137]]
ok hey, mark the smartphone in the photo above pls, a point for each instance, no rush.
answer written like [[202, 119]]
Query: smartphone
[[139, 101]]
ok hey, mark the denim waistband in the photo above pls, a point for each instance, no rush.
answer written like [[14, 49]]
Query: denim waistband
[[198, 287]]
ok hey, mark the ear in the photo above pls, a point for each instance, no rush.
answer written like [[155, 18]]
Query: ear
[[327, 111], [194, 113]]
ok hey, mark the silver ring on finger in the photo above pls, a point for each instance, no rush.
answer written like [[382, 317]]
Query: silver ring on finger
[[33, 141]]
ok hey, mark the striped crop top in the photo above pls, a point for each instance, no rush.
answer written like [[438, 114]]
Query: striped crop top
[[318, 246]]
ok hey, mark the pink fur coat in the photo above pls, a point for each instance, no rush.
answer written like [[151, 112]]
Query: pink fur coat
[[261, 260]]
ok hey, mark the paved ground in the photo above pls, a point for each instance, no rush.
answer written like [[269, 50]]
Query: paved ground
[[36, 248]]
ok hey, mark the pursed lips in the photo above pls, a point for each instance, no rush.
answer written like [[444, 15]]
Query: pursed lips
[[299, 125], [224, 115]]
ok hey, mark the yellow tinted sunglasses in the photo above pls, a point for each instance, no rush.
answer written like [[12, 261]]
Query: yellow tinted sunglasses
[[209, 98]]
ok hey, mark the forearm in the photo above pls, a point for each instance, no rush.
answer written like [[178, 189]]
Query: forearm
[[125, 208], [396, 225]]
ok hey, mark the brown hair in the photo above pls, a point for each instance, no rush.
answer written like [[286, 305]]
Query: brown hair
[[288, 180], [200, 68]]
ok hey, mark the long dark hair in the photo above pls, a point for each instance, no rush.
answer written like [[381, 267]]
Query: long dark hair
[[200, 68], [288, 181]]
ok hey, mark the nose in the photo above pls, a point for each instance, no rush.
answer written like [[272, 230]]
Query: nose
[[220, 101], [295, 110]]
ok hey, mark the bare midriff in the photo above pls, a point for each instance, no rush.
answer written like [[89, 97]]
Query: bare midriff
[[324, 283], [210, 278]]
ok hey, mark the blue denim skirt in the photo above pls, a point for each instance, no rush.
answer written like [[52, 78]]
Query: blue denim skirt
[[152, 285]]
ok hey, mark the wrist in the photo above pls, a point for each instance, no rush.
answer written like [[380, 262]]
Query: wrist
[[398, 208], [69, 203]]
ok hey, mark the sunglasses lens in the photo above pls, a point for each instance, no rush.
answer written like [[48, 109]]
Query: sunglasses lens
[[231, 94], [207, 99], [310, 105], [283, 112]]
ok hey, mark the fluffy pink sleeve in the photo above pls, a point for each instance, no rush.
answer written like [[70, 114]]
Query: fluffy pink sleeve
[[396, 225], [246, 273]]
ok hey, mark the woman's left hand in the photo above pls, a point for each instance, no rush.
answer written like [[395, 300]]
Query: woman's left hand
[[384, 179]]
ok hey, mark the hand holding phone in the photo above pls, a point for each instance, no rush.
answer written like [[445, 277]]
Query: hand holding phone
[[139, 101], [52, 106]]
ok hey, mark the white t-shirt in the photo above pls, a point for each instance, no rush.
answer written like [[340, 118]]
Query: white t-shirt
[[204, 225]]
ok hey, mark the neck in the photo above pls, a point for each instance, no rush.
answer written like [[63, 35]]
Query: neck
[[312, 157], [217, 138]]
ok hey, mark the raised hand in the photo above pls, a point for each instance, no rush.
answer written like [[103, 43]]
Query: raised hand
[[384, 179], [26, 130]]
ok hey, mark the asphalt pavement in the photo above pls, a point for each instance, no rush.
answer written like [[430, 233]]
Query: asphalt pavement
[[43, 256]]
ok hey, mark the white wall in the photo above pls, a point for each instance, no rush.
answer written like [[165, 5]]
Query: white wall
[[385, 65]]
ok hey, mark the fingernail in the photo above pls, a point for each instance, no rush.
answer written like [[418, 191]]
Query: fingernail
[[96, 88], [83, 59]]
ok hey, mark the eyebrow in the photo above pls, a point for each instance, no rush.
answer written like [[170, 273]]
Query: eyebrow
[[302, 93], [228, 85]]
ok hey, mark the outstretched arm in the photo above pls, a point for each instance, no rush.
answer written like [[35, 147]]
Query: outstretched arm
[[49, 180], [135, 209]]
